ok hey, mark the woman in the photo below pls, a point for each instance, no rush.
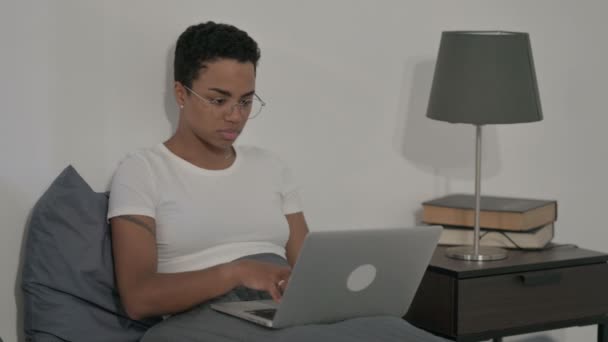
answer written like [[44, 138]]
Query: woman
[[196, 218]]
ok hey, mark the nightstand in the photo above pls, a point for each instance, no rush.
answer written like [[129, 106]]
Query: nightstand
[[529, 291]]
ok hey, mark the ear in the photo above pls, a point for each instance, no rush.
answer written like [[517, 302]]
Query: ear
[[180, 94]]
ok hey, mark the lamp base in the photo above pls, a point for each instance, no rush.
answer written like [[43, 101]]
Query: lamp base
[[468, 253]]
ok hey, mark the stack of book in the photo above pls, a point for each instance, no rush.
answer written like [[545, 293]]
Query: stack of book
[[504, 221]]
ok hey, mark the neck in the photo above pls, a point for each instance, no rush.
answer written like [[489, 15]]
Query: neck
[[229, 154], [200, 153]]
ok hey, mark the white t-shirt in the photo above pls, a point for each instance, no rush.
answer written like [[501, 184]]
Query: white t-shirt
[[207, 217]]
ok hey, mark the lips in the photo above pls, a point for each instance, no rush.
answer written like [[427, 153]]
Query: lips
[[228, 134]]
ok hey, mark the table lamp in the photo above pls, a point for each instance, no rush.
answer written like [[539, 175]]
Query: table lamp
[[483, 78]]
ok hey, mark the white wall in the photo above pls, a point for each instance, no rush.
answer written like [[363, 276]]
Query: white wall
[[84, 82]]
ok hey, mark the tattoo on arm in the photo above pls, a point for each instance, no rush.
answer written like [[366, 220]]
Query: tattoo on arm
[[139, 222]]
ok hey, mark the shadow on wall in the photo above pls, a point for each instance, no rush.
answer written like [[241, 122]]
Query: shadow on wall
[[171, 109], [18, 200], [18, 291], [445, 150]]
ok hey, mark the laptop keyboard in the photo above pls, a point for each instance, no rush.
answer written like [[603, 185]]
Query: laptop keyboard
[[264, 313]]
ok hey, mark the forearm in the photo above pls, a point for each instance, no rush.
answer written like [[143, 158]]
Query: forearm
[[292, 250], [297, 232], [160, 294]]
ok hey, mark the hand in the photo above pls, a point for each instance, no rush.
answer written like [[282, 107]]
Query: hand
[[262, 276], [283, 285]]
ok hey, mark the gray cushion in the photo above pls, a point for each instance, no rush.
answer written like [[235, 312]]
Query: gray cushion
[[68, 276]]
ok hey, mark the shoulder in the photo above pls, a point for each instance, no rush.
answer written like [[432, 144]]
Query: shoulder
[[140, 161]]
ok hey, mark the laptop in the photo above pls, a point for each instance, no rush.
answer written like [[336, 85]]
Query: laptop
[[346, 274]]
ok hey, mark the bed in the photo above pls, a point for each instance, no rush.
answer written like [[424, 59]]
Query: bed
[[70, 294]]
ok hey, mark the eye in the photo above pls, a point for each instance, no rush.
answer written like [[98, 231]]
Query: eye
[[245, 102], [218, 101]]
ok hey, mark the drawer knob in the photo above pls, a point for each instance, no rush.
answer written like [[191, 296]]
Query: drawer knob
[[540, 279]]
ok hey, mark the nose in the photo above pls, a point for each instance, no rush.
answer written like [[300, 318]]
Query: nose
[[233, 113]]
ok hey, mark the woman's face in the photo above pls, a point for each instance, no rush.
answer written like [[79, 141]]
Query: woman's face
[[216, 118]]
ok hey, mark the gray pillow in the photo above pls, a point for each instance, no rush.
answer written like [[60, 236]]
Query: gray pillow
[[68, 275]]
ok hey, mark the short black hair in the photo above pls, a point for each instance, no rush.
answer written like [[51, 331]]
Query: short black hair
[[208, 42]]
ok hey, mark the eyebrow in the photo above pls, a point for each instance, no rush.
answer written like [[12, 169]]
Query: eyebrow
[[227, 93]]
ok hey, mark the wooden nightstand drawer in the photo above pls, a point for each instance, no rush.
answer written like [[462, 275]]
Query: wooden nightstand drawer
[[528, 298], [529, 291]]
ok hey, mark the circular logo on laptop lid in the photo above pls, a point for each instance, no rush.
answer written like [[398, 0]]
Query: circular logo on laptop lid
[[361, 278]]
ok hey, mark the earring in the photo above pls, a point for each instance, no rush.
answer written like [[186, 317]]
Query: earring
[[181, 106]]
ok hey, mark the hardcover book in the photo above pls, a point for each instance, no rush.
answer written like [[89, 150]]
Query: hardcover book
[[531, 239], [502, 213]]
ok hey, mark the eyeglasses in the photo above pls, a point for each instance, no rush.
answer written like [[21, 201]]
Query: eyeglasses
[[248, 108]]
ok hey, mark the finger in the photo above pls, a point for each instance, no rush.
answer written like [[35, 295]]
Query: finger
[[275, 293], [282, 285]]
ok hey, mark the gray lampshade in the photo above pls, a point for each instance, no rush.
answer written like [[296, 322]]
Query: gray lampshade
[[484, 77]]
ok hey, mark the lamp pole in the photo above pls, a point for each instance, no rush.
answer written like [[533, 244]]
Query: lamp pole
[[477, 191], [477, 253]]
